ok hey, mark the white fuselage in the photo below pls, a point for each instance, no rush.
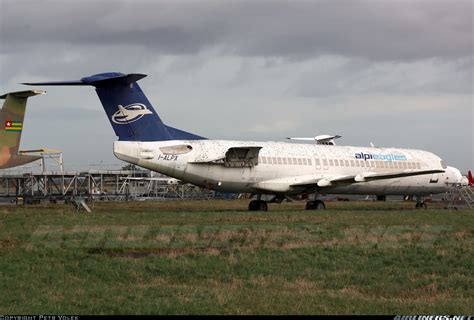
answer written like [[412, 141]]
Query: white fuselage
[[201, 163]]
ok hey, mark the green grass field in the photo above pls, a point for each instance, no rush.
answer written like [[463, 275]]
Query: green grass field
[[214, 257]]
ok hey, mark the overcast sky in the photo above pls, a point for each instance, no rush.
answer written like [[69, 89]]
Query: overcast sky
[[395, 73]]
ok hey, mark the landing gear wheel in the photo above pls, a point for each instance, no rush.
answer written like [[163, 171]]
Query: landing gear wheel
[[253, 205], [421, 205], [315, 205], [258, 205], [262, 206]]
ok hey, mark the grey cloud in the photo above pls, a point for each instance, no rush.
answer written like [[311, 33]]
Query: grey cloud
[[359, 77], [376, 30]]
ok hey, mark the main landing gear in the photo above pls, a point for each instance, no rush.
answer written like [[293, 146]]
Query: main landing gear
[[315, 205], [258, 205], [420, 203]]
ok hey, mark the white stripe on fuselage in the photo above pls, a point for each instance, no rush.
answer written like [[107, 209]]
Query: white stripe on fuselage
[[191, 167]]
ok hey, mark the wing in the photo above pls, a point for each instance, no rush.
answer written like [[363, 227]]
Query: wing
[[372, 176], [299, 183]]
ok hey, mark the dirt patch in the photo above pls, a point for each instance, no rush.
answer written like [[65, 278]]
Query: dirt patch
[[155, 252], [8, 244]]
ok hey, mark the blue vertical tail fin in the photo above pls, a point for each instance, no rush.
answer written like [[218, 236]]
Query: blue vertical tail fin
[[131, 115]]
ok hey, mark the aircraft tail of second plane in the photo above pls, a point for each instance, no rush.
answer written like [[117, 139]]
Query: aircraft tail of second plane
[[12, 116]]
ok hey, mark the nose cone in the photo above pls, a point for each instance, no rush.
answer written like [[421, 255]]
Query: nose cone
[[455, 176]]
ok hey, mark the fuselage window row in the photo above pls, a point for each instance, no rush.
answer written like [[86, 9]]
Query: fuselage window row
[[339, 163]]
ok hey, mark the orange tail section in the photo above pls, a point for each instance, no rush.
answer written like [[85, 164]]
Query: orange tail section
[[469, 178]]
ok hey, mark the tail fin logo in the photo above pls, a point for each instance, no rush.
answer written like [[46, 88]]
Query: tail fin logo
[[130, 113]]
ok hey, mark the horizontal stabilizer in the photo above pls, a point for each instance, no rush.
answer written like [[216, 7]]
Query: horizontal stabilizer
[[56, 83], [41, 151], [23, 94], [98, 80]]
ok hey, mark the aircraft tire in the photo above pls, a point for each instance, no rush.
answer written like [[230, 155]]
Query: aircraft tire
[[315, 205], [258, 205], [320, 205], [253, 205], [421, 205]]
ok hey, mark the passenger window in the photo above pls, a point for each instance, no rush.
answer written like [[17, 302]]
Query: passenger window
[[331, 163], [284, 161], [346, 162], [336, 163], [404, 165], [418, 166], [299, 161], [309, 162], [279, 160], [304, 161], [318, 163], [325, 162], [274, 160]]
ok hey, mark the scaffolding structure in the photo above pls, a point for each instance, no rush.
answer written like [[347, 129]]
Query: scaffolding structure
[[33, 183], [459, 196], [97, 185]]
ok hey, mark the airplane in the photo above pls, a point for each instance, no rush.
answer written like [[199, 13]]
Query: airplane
[[280, 169], [11, 126]]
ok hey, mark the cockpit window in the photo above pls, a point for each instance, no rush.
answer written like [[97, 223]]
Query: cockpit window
[[443, 164]]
